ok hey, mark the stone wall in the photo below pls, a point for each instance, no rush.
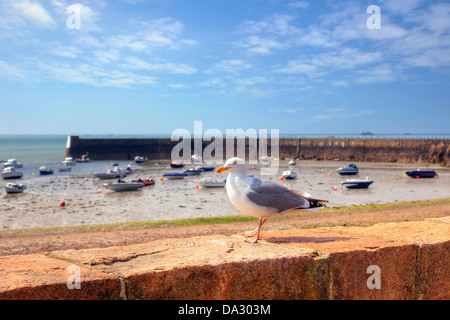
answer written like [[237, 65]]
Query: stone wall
[[373, 150]]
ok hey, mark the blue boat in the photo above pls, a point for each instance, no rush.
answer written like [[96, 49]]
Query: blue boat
[[357, 183], [350, 169], [421, 173], [207, 168], [174, 175]]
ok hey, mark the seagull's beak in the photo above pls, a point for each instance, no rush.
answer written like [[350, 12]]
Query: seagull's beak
[[221, 169]]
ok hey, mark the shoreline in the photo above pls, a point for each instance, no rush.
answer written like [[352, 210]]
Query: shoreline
[[26, 241]]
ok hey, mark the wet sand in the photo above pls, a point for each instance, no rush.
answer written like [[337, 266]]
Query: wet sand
[[39, 206]]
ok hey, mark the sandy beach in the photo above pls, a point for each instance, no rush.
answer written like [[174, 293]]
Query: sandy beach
[[39, 206], [59, 239]]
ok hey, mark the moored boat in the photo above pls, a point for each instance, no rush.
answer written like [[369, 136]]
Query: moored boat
[[174, 175], [11, 173], [350, 169], [193, 172], [110, 174], [140, 159], [210, 183], [123, 186], [175, 164], [69, 161], [421, 173], [12, 163], [14, 188], [288, 174], [84, 159], [357, 183], [45, 170], [147, 181], [292, 162]]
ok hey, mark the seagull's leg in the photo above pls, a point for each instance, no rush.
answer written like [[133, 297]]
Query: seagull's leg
[[255, 238], [253, 232]]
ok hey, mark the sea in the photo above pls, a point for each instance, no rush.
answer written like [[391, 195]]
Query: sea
[[89, 203]]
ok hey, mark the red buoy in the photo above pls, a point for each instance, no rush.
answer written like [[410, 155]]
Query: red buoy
[[62, 203]]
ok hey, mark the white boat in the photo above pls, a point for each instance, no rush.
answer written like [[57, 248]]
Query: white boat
[[265, 159], [69, 161], [123, 186], [193, 172], [289, 174], [210, 183], [12, 163], [110, 174], [14, 188], [64, 168], [292, 162], [140, 159], [11, 173]]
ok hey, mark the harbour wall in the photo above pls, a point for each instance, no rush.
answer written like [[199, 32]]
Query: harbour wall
[[353, 149]]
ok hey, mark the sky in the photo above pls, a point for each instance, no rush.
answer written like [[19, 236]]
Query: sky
[[151, 67]]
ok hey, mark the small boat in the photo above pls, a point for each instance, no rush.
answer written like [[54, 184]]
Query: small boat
[[197, 159], [350, 169], [84, 159], [45, 170], [69, 161], [421, 173], [14, 188], [206, 168], [210, 183], [140, 159], [128, 170], [12, 163], [110, 174], [357, 183], [174, 175], [146, 182], [289, 175], [123, 186], [265, 159], [193, 172], [175, 164], [64, 168], [11, 173], [292, 162]]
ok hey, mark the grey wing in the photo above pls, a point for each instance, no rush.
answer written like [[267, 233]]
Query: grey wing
[[272, 195]]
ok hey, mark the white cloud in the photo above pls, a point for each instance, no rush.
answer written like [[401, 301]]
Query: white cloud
[[229, 66], [299, 4], [155, 34], [34, 13], [381, 73], [138, 64], [10, 71]]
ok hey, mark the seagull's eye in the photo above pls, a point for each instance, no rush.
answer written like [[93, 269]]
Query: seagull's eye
[[235, 162]]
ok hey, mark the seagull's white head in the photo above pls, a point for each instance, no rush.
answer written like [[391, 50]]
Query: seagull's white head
[[233, 165]]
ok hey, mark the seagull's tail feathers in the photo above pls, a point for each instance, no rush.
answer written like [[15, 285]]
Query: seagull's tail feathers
[[314, 203]]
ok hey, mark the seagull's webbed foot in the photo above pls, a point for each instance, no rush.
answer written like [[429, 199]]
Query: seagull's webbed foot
[[253, 235]]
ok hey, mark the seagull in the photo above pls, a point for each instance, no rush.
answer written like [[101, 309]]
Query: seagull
[[262, 199]]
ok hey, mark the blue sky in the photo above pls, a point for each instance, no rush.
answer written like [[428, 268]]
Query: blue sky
[[146, 67]]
